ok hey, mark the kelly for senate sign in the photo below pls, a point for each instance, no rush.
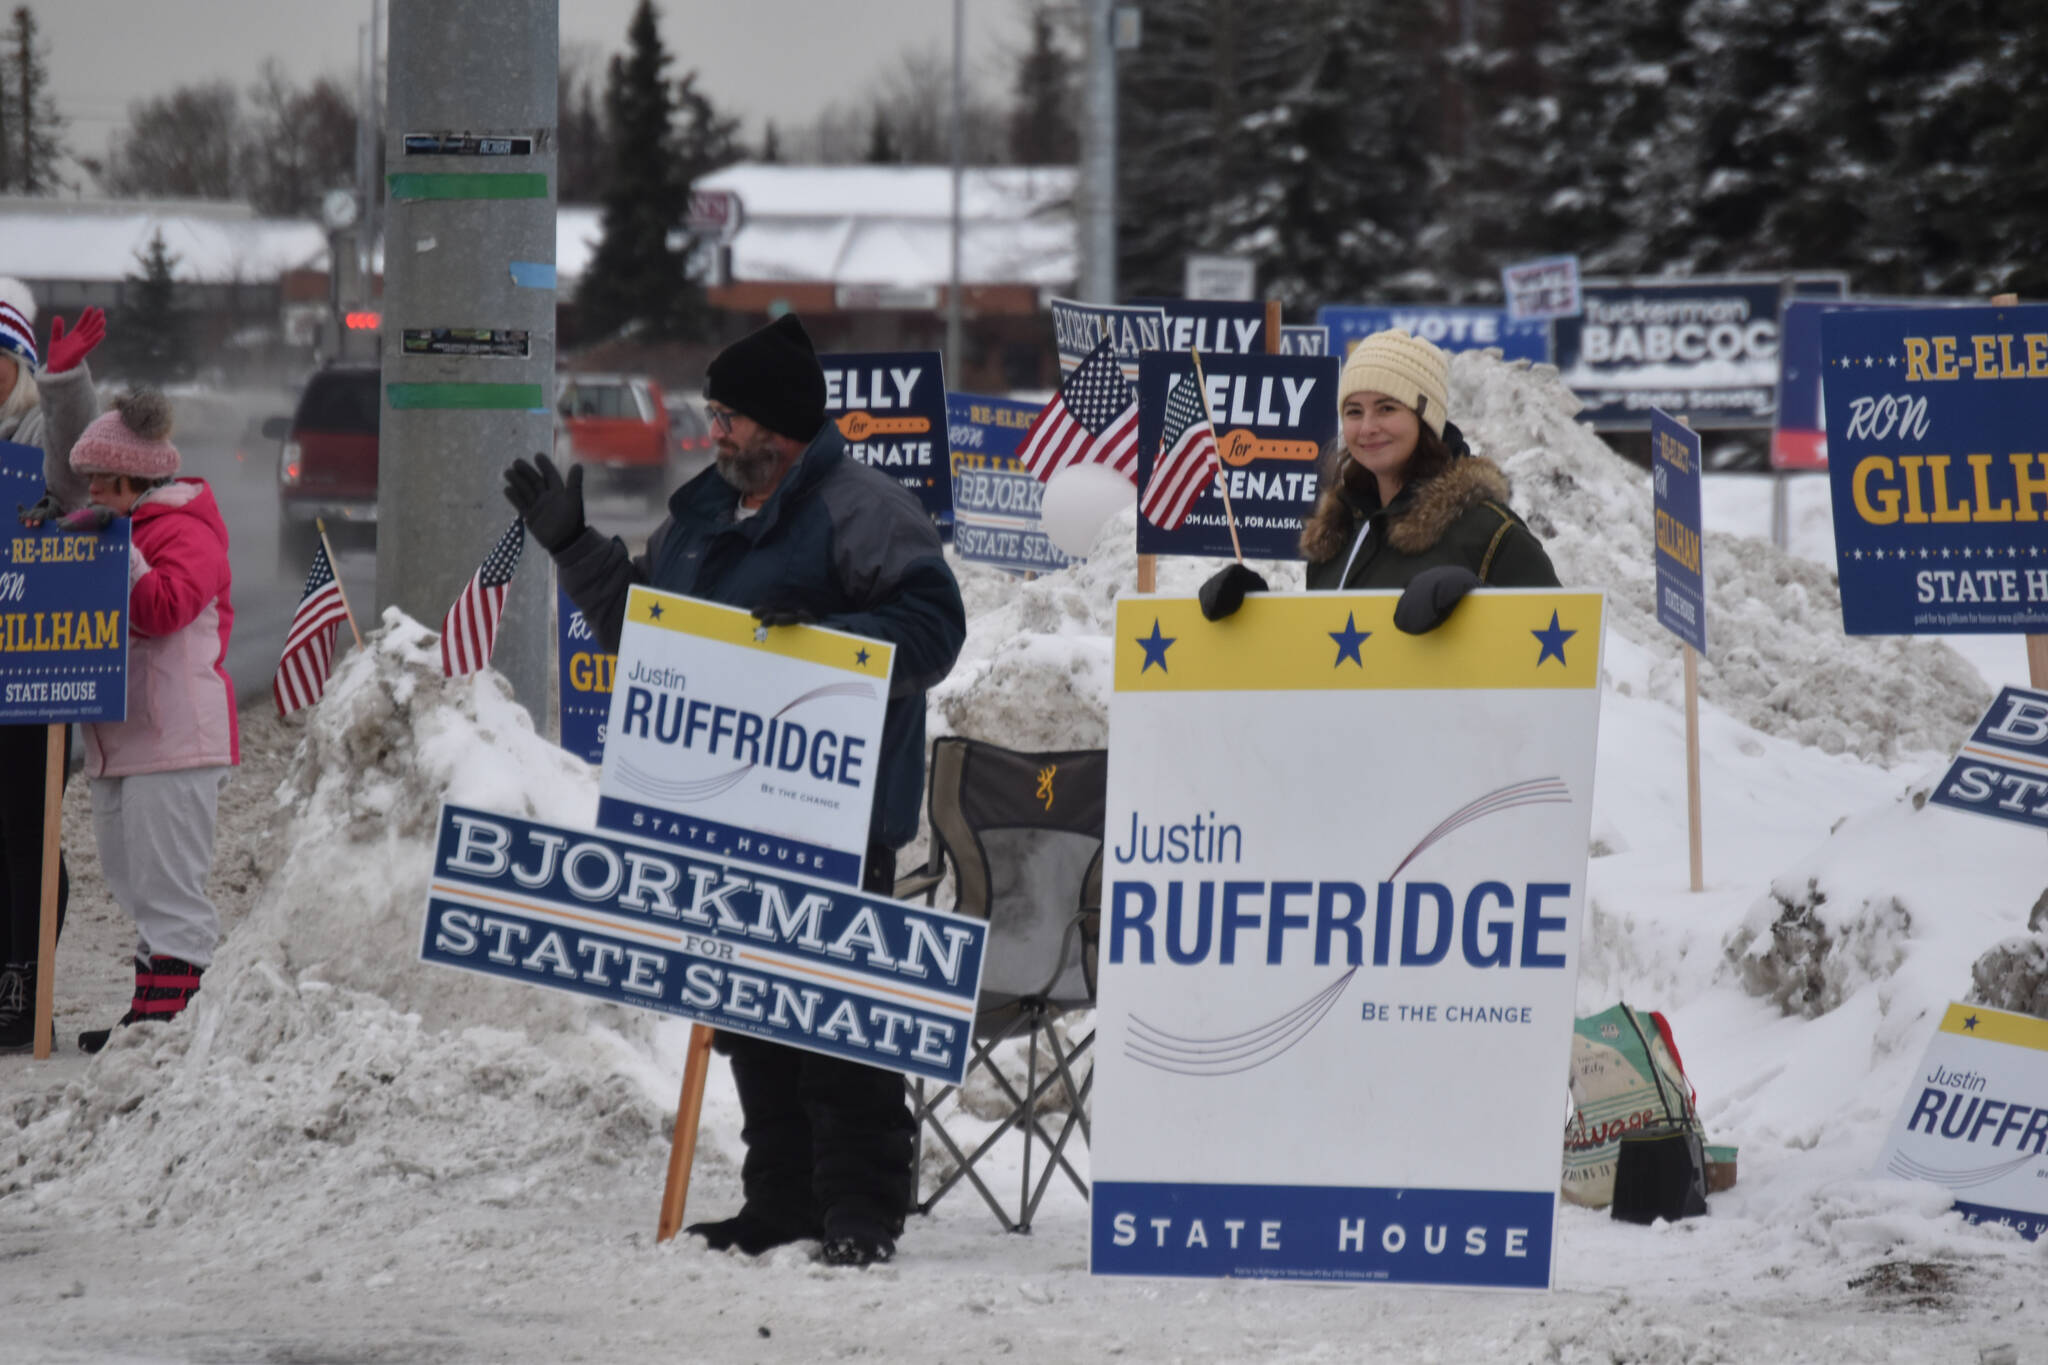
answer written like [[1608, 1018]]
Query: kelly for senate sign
[[996, 501], [63, 611], [1975, 1120], [732, 946], [1273, 416], [1937, 435], [2002, 770], [891, 408], [1219, 326], [1345, 870], [745, 742]]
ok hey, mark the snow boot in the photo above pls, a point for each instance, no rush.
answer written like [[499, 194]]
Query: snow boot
[[857, 1240], [753, 1232], [17, 1006], [163, 987]]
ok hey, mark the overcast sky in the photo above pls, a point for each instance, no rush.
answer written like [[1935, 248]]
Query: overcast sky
[[760, 59]]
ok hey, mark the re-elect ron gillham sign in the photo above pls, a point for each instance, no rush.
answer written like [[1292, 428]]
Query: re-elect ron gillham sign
[[1343, 878]]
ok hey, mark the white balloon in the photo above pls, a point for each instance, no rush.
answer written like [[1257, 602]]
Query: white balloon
[[1078, 500]]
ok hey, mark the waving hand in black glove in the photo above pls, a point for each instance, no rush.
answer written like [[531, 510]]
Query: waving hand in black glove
[[551, 506]]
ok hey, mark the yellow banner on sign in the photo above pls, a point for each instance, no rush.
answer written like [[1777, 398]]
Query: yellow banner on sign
[[1326, 641], [729, 625], [1996, 1026]]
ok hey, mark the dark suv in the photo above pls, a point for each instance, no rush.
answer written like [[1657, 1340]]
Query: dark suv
[[327, 466]]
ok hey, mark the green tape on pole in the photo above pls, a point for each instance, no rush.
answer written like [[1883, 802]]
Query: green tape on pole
[[499, 397], [420, 185]]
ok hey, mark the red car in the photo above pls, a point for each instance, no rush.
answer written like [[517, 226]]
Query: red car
[[327, 464], [625, 426]]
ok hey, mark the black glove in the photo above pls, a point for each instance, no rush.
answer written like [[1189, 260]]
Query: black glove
[[551, 506], [46, 508], [1224, 593], [784, 614], [1427, 601]]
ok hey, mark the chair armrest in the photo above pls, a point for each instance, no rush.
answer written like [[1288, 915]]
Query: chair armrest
[[923, 882]]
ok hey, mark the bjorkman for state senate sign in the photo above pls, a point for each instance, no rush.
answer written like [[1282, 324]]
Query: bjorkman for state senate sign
[[1937, 434], [773, 954], [2002, 770], [1344, 875], [997, 504], [63, 611], [1975, 1119], [760, 744], [891, 408]]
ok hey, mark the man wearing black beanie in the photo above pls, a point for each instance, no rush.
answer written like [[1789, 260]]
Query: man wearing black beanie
[[789, 526]]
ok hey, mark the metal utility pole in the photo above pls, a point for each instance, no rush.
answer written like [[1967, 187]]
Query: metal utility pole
[[954, 377], [1098, 156], [469, 310]]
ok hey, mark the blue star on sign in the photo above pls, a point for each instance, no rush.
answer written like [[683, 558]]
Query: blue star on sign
[[1552, 641], [1155, 647], [654, 611], [1348, 640], [861, 658], [1971, 1023]]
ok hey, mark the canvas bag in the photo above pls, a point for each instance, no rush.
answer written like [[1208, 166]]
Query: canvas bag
[[1626, 1076]]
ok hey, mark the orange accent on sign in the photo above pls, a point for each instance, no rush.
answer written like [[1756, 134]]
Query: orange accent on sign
[[1240, 447], [858, 426]]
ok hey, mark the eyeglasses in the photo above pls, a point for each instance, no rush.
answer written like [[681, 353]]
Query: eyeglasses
[[722, 418]]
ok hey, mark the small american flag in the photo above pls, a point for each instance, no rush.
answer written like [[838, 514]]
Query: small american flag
[[309, 643], [470, 630], [1187, 458], [1093, 419]]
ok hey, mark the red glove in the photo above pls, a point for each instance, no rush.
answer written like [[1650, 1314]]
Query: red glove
[[67, 351]]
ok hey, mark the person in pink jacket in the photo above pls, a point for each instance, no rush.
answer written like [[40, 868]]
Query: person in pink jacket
[[156, 776]]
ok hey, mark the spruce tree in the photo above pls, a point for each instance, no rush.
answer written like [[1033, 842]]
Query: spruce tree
[[151, 327], [35, 127], [1042, 131], [881, 145]]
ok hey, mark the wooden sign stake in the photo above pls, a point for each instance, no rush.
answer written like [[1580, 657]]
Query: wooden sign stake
[[682, 1149], [46, 939], [320, 525]]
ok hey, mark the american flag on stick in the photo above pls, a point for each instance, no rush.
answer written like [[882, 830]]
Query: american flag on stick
[[1093, 419], [309, 643], [470, 630], [1187, 458]]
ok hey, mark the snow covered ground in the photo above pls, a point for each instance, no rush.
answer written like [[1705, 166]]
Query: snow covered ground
[[342, 1155]]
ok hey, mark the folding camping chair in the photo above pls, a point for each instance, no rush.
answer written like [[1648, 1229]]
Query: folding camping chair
[[1022, 833]]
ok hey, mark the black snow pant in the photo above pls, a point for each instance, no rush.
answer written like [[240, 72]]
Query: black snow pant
[[828, 1141], [22, 758]]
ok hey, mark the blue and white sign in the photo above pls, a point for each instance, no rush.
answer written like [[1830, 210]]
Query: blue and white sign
[[891, 408], [1309, 339], [1937, 428], [995, 501], [1452, 329], [585, 684], [1975, 1120], [1078, 327], [1706, 349], [761, 744], [1540, 290], [1335, 1017], [2003, 768], [778, 956], [1675, 485], [1219, 326], [1273, 415], [63, 611]]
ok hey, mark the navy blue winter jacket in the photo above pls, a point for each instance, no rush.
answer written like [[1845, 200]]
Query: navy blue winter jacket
[[837, 539]]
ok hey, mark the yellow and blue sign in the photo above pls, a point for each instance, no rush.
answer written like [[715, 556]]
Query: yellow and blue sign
[[1448, 328], [1675, 490], [1937, 426], [2002, 771], [996, 501], [1341, 864], [585, 682], [891, 408], [63, 611]]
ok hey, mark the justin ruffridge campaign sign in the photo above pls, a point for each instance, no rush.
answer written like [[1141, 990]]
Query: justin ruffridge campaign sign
[[1675, 484], [2003, 768], [1273, 415], [891, 408], [748, 743], [1222, 326], [585, 682], [1706, 349], [1452, 329], [1975, 1120], [996, 501], [1336, 993], [773, 954], [1938, 462], [1133, 330], [63, 611]]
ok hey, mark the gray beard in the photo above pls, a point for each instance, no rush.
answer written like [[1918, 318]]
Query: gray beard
[[750, 469]]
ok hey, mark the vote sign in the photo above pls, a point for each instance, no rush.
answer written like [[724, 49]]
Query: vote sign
[[63, 611], [2003, 768], [996, 502], [1937, 420], [585, 682], [1675, 488], [1974, 1120], [1345, 870], [775, 955], [760, 744], [891, 408], [1447, 328], [1273, 415]]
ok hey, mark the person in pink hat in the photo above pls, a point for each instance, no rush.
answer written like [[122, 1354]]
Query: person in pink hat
[[156, 776]]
